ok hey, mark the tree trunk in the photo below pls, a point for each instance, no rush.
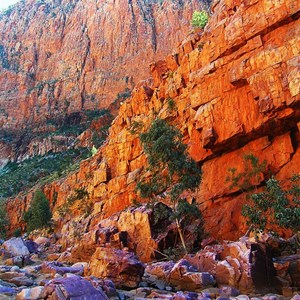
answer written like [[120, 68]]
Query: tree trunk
[[181, 236]]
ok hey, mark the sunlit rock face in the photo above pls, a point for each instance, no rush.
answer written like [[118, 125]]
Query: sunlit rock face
[[235, 86], [58, 57]]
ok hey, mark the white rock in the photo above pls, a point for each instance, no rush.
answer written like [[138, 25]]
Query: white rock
[[16, 247], [35, 293]]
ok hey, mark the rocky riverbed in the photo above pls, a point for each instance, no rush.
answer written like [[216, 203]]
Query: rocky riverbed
[[232, 270]]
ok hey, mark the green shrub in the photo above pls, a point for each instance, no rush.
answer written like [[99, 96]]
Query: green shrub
[[17, 232], [39, 214], [78, 194], [136, 127], [16, 177], [250, 177], [172, 171], [3, 221], [199, 19], [171, 105], [274, 206]]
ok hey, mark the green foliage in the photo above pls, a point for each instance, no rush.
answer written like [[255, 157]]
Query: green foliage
[[136, 127], [99, 136], [3, 221], [95, 114], [125, 94], [253, 171], [78, 194], [199, 19], [161, 212], [171, 105], [17, 232], [136, 203], [94, 150], [174, 253], [275, 206], [16, 177], [39, 214], [185, 209], [80, 122], [172, 171]]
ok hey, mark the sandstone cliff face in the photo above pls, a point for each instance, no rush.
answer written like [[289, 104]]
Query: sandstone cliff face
[[236, 89], [58, 57]]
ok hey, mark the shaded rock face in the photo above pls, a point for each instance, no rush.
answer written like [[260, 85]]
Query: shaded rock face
[[59, 57], [235, 90], [245, 264]]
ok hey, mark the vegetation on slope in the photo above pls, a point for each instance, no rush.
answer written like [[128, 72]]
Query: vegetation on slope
[[39, 214], [274, 205], [172, 172], [17, 177]]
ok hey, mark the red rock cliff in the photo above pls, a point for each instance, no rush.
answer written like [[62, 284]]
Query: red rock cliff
[[236, 89], [62, 56]]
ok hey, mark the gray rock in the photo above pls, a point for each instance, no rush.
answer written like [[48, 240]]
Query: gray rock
[[6, 290], [22, 281], [143, 284], [229, 291], [16, 247], [32, 246], [35, 293], [160, 284], [74, 288], [272, 297], [243, 297]]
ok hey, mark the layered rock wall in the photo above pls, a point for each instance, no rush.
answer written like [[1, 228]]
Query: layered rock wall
[[236, 90], [58, 57]]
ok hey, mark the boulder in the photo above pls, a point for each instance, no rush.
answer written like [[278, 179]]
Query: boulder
[[31, 246], [181, 275], [6, 276], [73, 287], [16, 247], [245, 264], [35, 293], [107, 286], [184, 276], [122, 267], [42, 241], [159, 269], [57, 268], [21, 280], [6, 290]]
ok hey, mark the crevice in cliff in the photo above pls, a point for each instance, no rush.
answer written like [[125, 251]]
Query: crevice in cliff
[[64, 17], [147, 12], [274, 127], [133, 25], [281, 23], [295, 139], [81, 71]]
